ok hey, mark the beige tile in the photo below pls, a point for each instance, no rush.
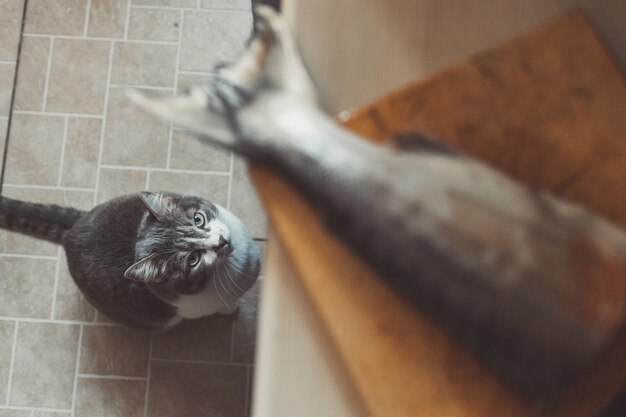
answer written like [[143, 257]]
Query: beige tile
[[245, 203], [212, 187], [10, 24], [78, 76], [244, 336], [45, 362], [112, 350], [16, 243], [31, 79], [50, 414], [7, 72], [7, 330], [170, 3], [117, 182], [34, 150], [132, 136], [245, 5], [27, 287], [15, 413], [154, 24], [107, 18], [199, 51], [207, 339], [109, 398], [70, 303], [59, 17], [189, 80], [189, 153], [81, 152], [144, 64], [197, 390]]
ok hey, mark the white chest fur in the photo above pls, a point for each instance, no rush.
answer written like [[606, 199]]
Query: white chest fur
[[204, 303]]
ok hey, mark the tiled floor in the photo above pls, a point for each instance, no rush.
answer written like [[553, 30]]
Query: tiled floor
[[75, 140]]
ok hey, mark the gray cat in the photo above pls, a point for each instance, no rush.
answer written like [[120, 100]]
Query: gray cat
[[147, 260]]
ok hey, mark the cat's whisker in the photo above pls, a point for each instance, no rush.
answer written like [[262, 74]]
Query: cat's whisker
[[234, 266], [217, 291], [230, 278]]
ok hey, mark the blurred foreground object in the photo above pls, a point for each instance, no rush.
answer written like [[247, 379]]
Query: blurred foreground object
[[532, 285]]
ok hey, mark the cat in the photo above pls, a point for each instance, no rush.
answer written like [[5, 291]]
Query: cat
[[147, 260]]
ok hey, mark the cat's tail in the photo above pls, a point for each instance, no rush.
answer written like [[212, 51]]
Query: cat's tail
[[43, 221]]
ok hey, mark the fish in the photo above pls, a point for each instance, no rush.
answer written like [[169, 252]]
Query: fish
[[533, 285]]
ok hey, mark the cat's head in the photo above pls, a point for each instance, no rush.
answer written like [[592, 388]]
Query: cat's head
[[180, 242]]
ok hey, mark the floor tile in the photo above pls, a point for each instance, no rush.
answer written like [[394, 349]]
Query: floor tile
[[7, 72], [4, 122], [109, 398], [197, 390], [31, 79], [189, 153], [10, 24], [14, 413], [133, 137], [170, 3], [82, 145], [129, 64], [244, 336], [245, 5], [118, 182], [107, 18], [70, 303], [34, 149], [207, 339], [250, 399], [245, 202], [45, 363], [154, 24], [7, 331], [59, 17], [199, 52], [50, 414], [212, 187], [28, 291], [78, 76], [109, 350]]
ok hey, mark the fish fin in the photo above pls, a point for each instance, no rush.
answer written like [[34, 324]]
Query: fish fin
[[421, 142]]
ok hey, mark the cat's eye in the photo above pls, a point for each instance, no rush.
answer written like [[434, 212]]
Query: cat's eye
[[193, 259], [199, 219]]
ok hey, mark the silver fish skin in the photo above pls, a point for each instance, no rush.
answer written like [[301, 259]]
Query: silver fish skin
[[533, 285]]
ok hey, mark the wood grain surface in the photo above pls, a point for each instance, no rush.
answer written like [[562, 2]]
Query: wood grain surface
[[548, 108]]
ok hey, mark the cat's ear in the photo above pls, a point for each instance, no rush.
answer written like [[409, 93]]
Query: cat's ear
[[159, 205], [147, 269]]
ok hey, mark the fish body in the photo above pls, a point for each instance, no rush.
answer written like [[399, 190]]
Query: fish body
[[533, 285]]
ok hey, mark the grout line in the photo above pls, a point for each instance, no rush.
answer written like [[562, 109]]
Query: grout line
[[155, 7], [146, 87], [5, 62], [35, 409], [62, 157], [127, 22], [47, 113], [76, 371], [197, 362], [48, 321], [21, 255], [49, 187], [99, 38], [248, 386], [87, 12], [169, 148], [181, 19], [189, 72], [5, 148], [148, 375], [230, 180], [116, 377], [13, 349], [171, 170], [232, 339], [48, 71], [56, 285], [147, 180], [104, 122], [198, 4]]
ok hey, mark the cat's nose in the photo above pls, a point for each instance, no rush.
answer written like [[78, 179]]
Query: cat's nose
[[223, 243]]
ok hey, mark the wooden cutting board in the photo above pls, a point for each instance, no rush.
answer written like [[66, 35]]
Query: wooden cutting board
[[548, 108]]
